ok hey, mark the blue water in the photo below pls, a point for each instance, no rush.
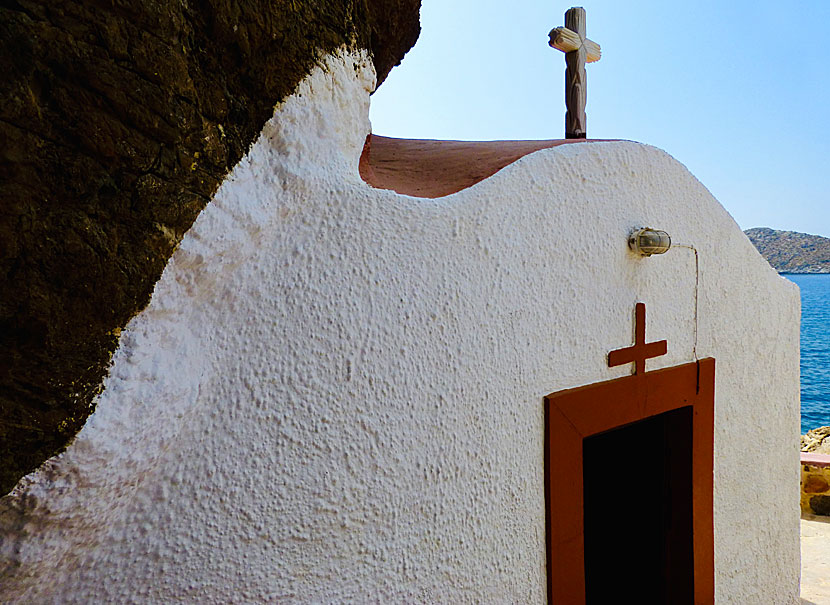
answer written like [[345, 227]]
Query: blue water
[[815, 349]]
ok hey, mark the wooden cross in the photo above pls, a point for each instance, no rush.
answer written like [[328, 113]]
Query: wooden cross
[[641, 350], [578, 50]]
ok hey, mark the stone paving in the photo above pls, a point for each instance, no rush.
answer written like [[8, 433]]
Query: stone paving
[[815, 560]]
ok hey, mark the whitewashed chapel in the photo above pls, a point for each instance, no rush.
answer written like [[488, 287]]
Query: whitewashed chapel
[[457, 384]]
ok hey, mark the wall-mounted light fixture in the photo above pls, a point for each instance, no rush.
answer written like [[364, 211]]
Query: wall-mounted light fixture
[[648, 241]]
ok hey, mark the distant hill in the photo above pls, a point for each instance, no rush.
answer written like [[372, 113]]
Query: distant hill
[[791, 252]]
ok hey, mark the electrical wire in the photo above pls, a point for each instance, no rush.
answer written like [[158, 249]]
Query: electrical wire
[[697, 288]]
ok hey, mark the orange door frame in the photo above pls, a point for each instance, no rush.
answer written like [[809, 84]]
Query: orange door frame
[[575, 414]]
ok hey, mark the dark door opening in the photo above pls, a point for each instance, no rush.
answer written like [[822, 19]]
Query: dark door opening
[[637, 483]]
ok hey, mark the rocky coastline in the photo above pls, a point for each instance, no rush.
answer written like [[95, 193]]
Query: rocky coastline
[[816, 441], [790, 251]]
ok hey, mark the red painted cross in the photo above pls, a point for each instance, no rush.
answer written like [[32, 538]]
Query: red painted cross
[[641, 350]]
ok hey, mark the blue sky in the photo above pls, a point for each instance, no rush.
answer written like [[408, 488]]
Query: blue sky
[[738, 91]]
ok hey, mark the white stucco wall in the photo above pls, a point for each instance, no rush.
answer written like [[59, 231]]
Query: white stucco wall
[[335, 394]]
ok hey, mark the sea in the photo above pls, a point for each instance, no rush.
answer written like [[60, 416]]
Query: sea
[[815, 349]]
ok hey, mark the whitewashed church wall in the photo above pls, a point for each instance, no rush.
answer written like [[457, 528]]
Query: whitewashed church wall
[[335, 394]]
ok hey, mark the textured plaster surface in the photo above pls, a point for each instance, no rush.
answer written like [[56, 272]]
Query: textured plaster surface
[[335, 394]]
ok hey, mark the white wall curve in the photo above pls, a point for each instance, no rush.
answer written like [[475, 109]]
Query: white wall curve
[[335, 394]]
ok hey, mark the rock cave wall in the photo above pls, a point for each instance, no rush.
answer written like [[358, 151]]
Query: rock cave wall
[[119, 122]]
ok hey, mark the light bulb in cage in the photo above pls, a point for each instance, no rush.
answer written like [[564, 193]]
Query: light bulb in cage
[[649, 241]]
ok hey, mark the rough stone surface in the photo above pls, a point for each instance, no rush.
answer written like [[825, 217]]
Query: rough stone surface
[[118, 121], [815, 485], [816, 441], [815, 481], [335, 394], [820, 504]]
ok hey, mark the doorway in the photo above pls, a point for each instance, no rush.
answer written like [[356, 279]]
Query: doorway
[[637, 500], [628, 466]]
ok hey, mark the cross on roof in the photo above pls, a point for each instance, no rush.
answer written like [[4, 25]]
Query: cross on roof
[[641, 350], [578, 49]]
